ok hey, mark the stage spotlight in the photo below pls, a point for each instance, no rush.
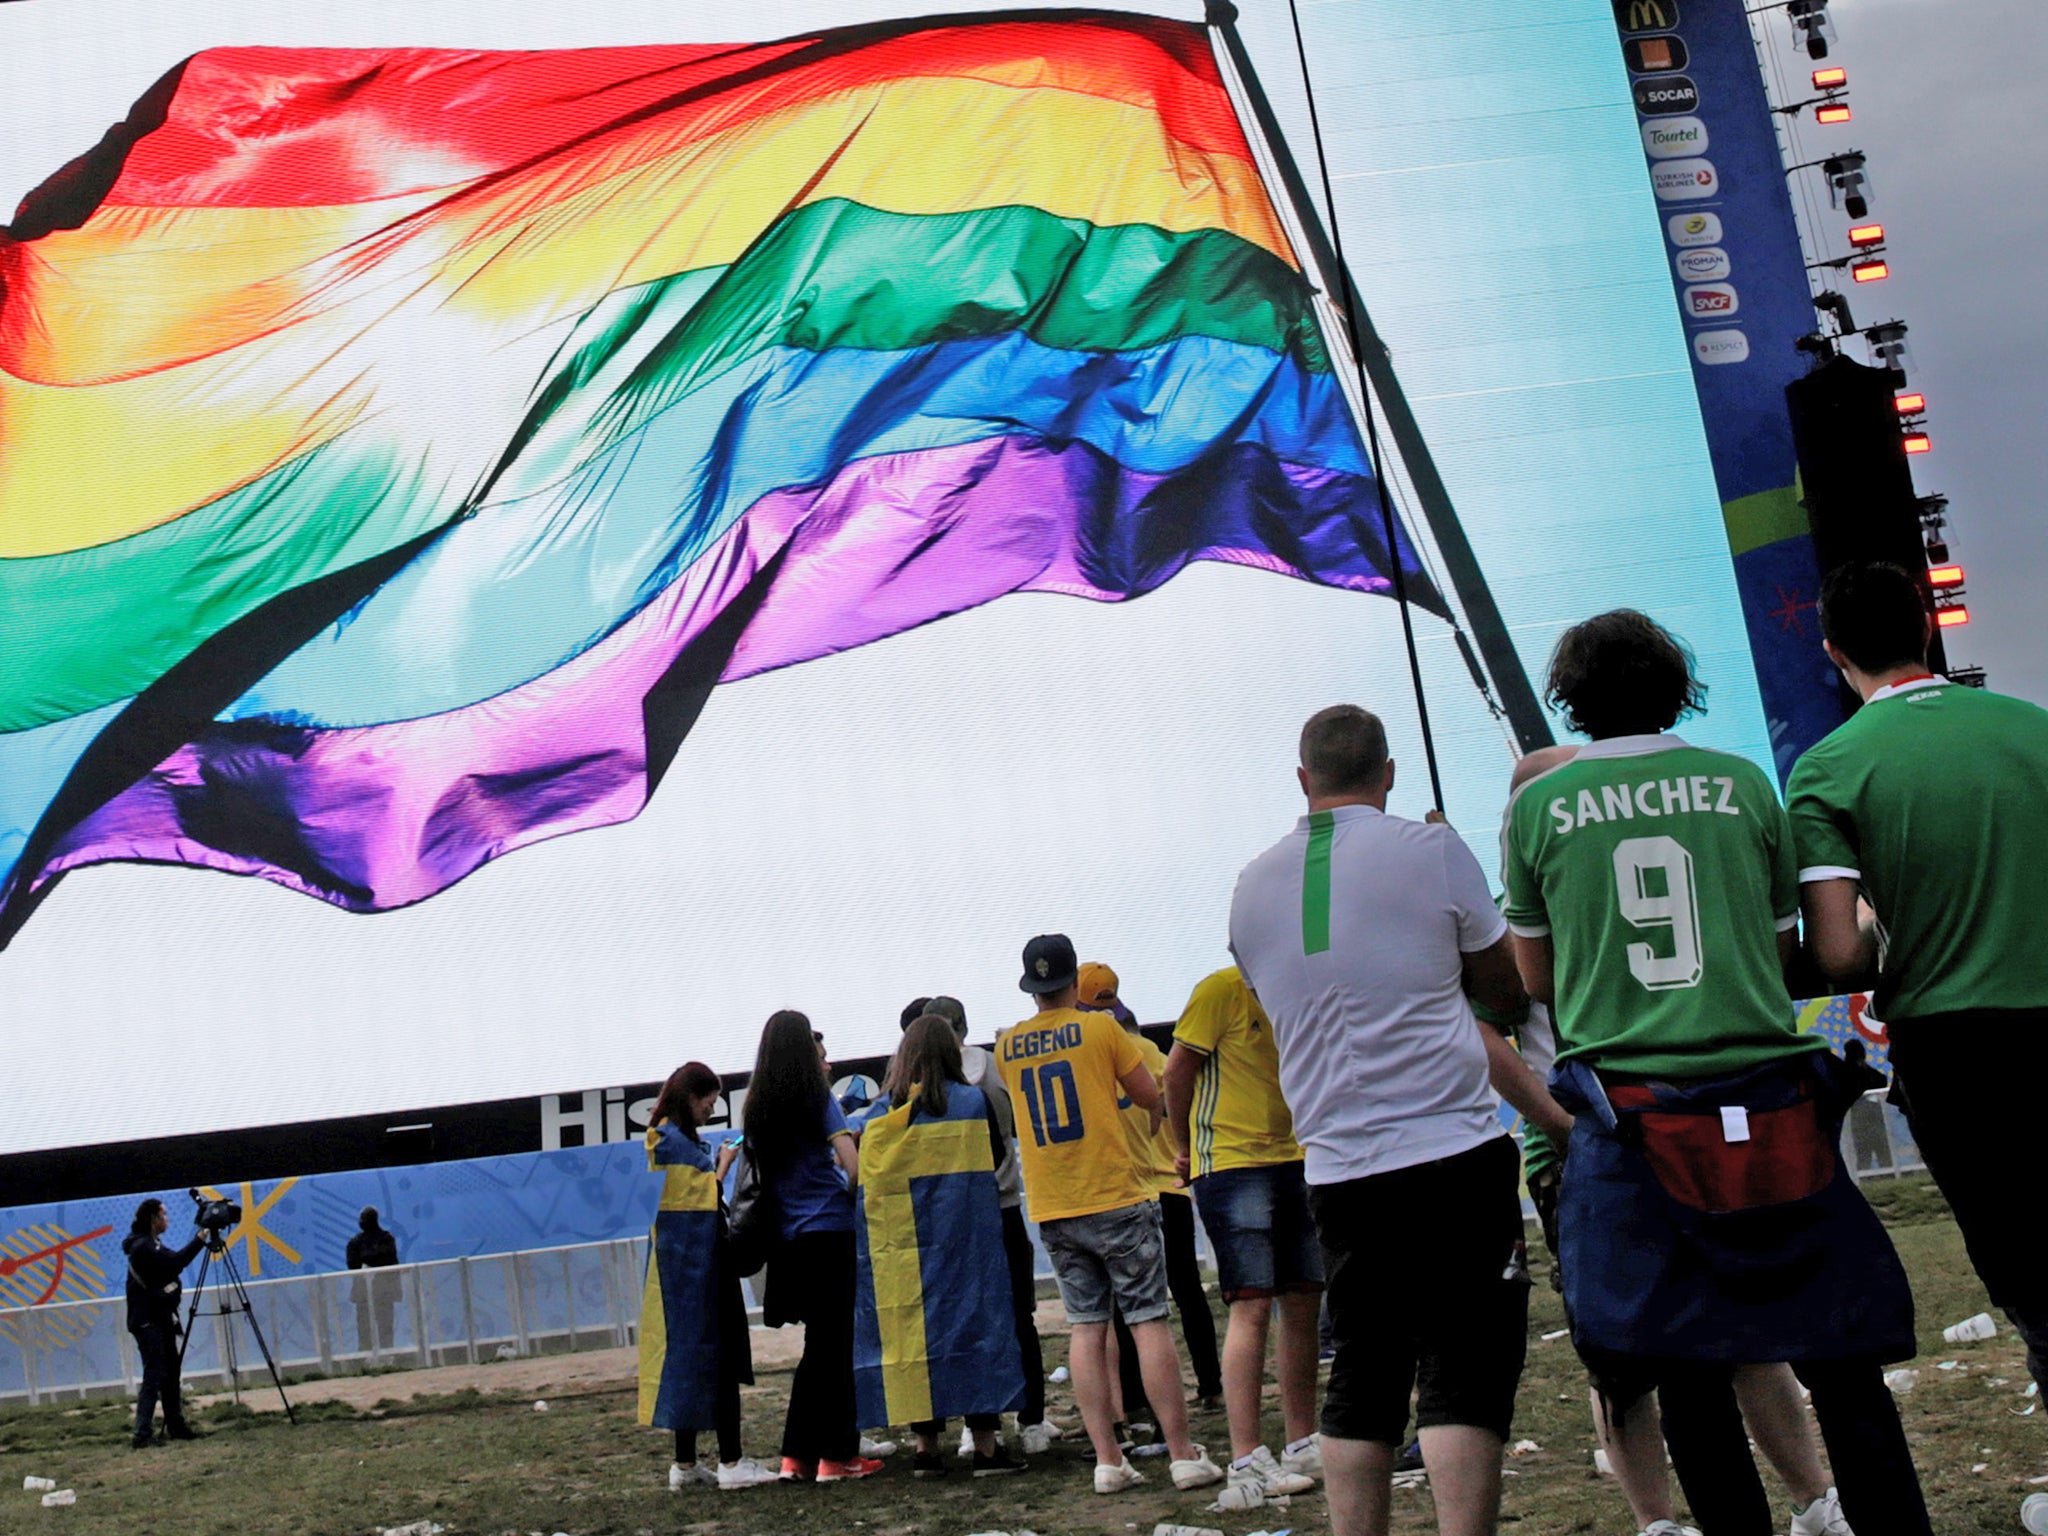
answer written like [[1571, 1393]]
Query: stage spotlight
[[1945, 576], [1888, 345], [1937, 551], [1918, 442], [1810, 24], [1830, 79], [1861, 235], [1950, 618], [1910, 405], [1832, 112], [1848, 183], [1871, 271]]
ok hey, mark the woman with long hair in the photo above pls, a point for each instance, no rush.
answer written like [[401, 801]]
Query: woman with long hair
[[694, 1352], [798, 1139], [941, 1319]]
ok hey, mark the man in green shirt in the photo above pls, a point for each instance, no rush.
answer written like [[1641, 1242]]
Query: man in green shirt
[[1705, 1220], [1931, 804]]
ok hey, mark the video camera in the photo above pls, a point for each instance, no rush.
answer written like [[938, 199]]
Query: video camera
[[214, 1216]]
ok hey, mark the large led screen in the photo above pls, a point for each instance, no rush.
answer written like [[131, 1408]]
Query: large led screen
[[919, 520]]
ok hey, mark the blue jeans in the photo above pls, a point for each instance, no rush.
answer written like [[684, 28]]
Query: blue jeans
[[1259, 1224]]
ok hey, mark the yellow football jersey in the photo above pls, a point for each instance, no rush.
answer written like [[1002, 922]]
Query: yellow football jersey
[[1239, 1119], [1151, 1150], [1062, 1069]]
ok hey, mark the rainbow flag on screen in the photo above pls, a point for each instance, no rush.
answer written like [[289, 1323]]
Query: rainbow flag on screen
[[396, 446]]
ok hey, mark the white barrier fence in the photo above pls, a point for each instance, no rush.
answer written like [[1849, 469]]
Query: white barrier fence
[[445, 1312], [466, 1311]]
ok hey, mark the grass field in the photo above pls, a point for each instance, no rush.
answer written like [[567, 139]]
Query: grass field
[[481, 1460]]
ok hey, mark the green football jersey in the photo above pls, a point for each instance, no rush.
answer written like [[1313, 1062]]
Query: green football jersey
[[1934, 798], [1662, 874]]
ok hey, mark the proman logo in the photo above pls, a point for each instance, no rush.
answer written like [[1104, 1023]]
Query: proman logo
[[1666, 138], [1710, 301], [1646, 15], [1663, 94], [1703, 264]]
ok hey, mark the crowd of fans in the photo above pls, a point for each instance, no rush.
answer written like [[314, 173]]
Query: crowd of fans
[[1329, 1109]]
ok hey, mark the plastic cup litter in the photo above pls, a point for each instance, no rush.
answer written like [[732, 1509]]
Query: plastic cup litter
[[38, 1484], [2034, 1514], [1971, 1330], [1902, 1380], [59, 1499]]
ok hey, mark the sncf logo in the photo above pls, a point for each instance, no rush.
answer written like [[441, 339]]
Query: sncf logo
[[1711, 301]]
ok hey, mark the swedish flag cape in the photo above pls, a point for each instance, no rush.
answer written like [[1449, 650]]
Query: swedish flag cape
[[679, 1336], [933, 1331]]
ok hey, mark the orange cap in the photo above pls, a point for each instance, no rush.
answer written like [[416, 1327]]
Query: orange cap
[[1097, 984]]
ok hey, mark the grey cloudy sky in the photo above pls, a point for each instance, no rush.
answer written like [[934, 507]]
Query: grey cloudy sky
[[1947, 99]]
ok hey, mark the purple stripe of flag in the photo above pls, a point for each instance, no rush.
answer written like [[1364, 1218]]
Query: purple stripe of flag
[[379, 816]]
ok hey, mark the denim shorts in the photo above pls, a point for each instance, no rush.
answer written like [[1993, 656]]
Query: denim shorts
[[1110, 1261], [1259, 1226]]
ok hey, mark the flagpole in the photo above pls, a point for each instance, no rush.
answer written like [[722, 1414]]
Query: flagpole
[[1498, 663]]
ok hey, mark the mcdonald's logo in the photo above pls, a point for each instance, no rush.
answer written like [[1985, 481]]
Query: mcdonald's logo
[[1646, 15]]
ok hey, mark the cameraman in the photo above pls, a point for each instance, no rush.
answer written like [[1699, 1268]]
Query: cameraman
[[154, 1289]]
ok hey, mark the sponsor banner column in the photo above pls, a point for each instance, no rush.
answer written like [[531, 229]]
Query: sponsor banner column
[[1740, 277]]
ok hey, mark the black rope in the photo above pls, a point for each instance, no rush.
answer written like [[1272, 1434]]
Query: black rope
[[1372, 431]]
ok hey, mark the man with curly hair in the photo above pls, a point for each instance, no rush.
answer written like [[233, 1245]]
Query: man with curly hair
[[1705, 1220]]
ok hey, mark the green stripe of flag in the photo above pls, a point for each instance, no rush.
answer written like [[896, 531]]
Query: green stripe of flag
[[1315, 884]]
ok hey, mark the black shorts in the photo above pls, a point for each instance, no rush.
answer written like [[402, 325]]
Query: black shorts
[[1428, 1293], [1972, 1116]]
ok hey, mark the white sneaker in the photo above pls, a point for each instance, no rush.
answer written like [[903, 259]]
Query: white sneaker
[[692, 1476], [1668, 1528], [1304, 1456], [1117, 1478], [966, 1442], [1273, 1479], [1032, 1439], [877, 1449], [744, 1473], [1823, 1517], [1198, 1471]]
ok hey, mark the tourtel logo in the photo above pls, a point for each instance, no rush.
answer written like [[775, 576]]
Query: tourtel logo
[[1661, 95], [1685, 181], [1667, 138], [1703, 264], [1714, 348], [1700, 228], [1710, 301]]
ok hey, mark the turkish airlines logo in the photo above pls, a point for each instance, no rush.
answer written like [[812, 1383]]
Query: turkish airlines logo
[[1710, 301], [1684, 181]]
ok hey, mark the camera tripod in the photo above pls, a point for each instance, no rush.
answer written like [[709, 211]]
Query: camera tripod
[[230, 1296]]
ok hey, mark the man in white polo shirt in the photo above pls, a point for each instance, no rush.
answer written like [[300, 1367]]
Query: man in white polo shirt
[[1366, 938]]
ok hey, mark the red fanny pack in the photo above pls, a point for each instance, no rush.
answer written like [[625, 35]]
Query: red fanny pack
[[1787, 1156]]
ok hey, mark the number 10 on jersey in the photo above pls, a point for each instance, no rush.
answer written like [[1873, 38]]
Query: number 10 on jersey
[[1054, 1101]]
